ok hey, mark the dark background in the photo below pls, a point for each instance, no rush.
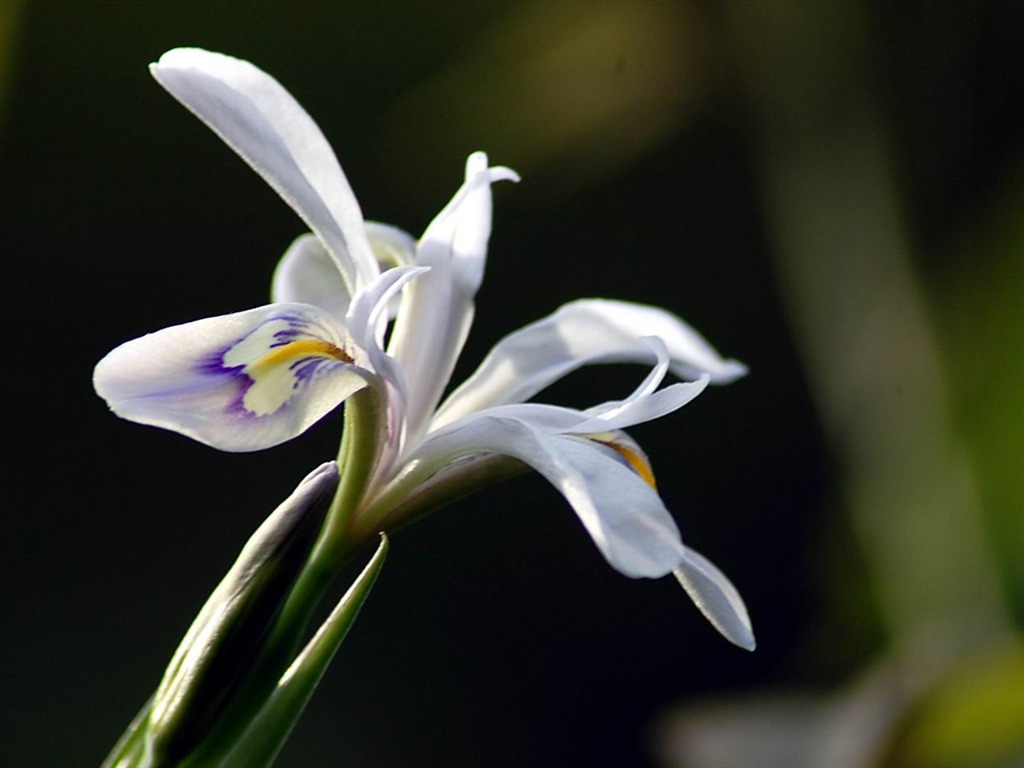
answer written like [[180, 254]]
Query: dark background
[[496, 635]]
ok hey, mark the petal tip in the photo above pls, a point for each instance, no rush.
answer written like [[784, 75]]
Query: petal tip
[[717, 598], [730, 371]]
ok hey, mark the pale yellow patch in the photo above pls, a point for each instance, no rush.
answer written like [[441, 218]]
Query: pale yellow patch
[[273, 380]]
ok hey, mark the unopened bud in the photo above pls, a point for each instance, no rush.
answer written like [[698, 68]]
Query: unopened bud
[[230, 631]]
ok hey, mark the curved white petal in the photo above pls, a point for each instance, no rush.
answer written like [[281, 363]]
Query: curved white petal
[[308, 275], [437, 309], [392, 246], [716, 598], [459, 233], [577, 334], [621, 512], [239, 382], [643, 409], [263, 123], [366, 321], [609, 417]]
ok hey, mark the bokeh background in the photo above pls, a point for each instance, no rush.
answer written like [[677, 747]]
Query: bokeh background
[[831, 191]]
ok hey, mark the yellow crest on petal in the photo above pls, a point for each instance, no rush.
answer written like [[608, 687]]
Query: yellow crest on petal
[[630, 453], [276, 358]]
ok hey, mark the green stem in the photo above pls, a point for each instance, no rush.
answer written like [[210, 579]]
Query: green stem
[[336, 543], [398, 507], [357, 460]]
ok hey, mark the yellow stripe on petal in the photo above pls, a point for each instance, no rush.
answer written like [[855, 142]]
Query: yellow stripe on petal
[[298, 349], [276, 377], [277, 357], [630, 452]]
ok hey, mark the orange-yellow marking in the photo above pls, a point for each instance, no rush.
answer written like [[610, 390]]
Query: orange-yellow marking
[[634, 459], [301, 348]]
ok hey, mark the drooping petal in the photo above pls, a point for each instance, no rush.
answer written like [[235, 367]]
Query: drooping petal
[[437, 309], [577, 334], [627, 452], [263, 123], [307, 274], [621, 512], [239, 382], [716, 598]]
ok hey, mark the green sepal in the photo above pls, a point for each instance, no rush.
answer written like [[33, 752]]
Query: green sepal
[[261, 742]]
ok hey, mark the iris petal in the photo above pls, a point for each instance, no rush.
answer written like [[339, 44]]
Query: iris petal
[[716, 598], [239, 382], [262, 122], [307, 274], [582, 333], [437, 310], [619, 509]]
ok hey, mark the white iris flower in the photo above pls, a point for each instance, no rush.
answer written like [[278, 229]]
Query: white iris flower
[[253, 379]]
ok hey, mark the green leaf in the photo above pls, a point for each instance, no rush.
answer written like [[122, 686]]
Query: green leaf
[[132, 750], [261, 742]]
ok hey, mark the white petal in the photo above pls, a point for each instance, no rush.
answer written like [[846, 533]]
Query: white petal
[[459, 233], [392, 246], [716, 598], [307, 274], [437, 309], [581, 333], [239, 382], [264, 124], [639, 410], [366, 321], [623, 515], [611, 416]]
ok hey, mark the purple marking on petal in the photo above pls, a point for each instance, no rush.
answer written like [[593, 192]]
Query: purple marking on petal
[[304, 369], [214, 366]]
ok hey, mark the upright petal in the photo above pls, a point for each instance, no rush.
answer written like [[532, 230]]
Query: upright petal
[[307, 274], [437, 309], [239, 382], [367, 316], [392, 246], [577, 334], [264, 124]]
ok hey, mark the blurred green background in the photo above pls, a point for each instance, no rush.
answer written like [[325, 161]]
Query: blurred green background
[[833, 192]]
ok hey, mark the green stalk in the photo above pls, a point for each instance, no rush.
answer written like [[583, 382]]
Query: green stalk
[[357, 460]]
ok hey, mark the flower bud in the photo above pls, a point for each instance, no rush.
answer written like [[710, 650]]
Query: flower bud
[[230, 631]]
